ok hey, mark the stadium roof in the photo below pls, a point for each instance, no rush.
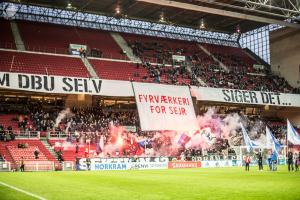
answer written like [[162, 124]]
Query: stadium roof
[[216, 15]]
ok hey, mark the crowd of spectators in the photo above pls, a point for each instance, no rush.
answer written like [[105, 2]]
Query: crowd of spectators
[[167, 74], [240, 78], [240, 73], [80, 125], [6, 134]]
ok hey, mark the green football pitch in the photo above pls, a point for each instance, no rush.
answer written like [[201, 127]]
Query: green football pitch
[[182, 184]]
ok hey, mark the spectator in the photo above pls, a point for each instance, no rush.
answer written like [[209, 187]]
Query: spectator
[[59, 156], [36, 154], [76, 148], [22, 164]]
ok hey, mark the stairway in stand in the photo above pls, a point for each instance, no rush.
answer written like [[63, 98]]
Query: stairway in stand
[[48, 147]]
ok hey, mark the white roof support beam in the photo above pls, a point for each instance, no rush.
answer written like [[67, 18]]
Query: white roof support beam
[[215, 11]]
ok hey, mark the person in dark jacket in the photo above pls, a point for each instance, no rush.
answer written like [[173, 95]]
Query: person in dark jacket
[[36, 153], [88, 163], [260, 161], [22, 165], [290, 161], [76, 148], [297, 162]]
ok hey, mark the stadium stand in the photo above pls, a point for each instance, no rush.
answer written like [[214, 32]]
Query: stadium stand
[[68, 148], [59, 37], [232, 57], [118, 70], [7, 39], [159, 50], [13, 153], [148, 48], [6, 120], [12, 61]]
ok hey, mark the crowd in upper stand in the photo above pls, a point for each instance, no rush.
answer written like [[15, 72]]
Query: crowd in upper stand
[[175, 75], [239, 74], [238, 78]]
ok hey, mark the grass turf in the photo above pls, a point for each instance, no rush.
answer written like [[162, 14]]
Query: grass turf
[[183, 184]]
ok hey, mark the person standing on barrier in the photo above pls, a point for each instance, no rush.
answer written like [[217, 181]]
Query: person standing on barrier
[[22, 165], [290, 161], [247, 163]]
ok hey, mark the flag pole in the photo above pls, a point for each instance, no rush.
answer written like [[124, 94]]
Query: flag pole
[[287, 142]]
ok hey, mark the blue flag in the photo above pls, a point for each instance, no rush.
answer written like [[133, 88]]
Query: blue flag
[[272, 142], [292, 135], [249, 144], [142, 143]]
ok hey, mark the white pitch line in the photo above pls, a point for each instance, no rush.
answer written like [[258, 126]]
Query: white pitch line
[[23, 191]]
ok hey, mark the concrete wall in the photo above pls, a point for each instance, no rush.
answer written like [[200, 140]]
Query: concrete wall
[[81, 100], [285, 52], [292, 114]]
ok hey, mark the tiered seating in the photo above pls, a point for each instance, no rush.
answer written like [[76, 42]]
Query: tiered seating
[[7, 39], [231, 56], [26, 153], [6, 120], [5, 154], [69, 149], [17, 153], [59, 37], [13, 154], [41, 64], [118, 70], [160, 49]]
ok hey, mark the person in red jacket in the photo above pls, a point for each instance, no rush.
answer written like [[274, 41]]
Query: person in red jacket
[[247, 162]]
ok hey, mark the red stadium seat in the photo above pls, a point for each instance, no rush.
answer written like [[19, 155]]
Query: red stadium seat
[[41, 64]]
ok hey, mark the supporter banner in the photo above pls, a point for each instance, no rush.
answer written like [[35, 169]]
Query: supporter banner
[[64, 84], [146, 163], [178, 58], [245, 96], [130, 128], [184, 164], [165, 107], [154, 96], [125, 163]]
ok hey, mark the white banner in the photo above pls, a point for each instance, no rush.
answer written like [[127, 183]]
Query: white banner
[[218, 163], [165, 107], [103, 87], [125, 163], [245, 96], [64, 85]]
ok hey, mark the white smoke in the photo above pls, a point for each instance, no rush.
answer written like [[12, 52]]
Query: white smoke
[[62, 115]]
